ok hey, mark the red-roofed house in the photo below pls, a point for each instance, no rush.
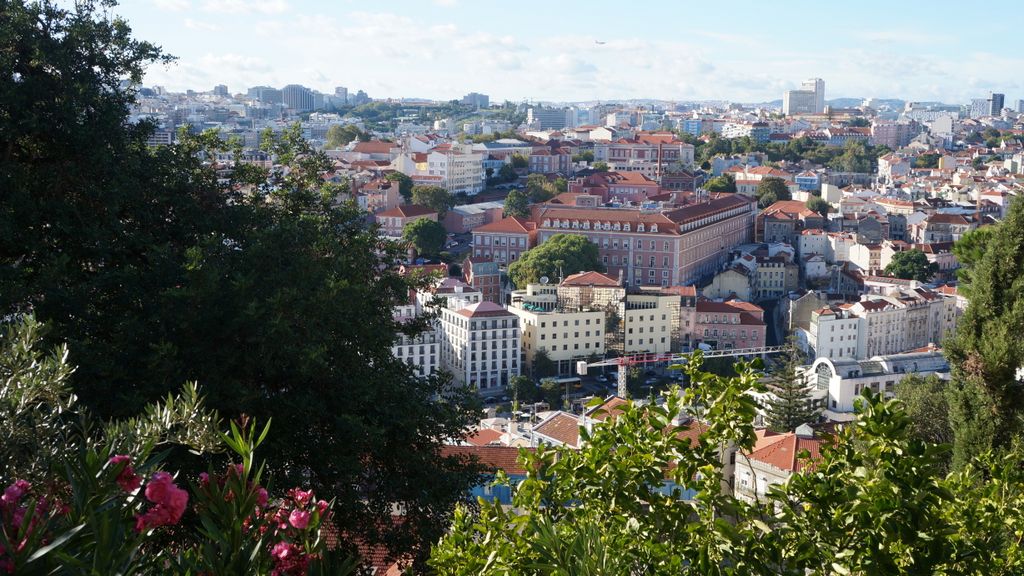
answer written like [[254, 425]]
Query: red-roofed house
[[775, 458], [504, 240], [491, 459], [393, 221], [732, 324], [784, 220]]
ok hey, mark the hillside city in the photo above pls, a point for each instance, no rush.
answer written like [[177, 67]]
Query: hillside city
[[729, 323]]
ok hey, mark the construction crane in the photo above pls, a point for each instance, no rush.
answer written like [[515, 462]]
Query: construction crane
[[625, 362]]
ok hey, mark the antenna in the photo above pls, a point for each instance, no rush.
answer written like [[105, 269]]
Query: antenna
[[544, 279]]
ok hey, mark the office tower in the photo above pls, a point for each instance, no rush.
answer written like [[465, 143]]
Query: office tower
[[341, 93], [809, 99], [816, 85], [297, 97], [476, 100], [265, 94], [220, 90], [996, 102], [980, 107]]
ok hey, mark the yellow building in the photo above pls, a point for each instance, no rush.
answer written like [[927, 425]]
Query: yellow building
[[565, 336]]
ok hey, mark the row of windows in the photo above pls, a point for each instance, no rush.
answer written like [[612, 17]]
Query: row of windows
[[554, 323], [730, 333], [566, 335]]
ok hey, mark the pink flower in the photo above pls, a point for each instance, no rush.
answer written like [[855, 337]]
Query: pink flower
[[262, 497], [127, 479], [14, 492], [283, 550], [204, 479], [168, 500], [322, 506], [288, 560], [301, 497], [299, 519]]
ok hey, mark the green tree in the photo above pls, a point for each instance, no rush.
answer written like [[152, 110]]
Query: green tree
[[599, 166], [584, 156], [927, 160], [771, 187], [519, 161], [561, 255], [523, 389], [986, 351], [543, 366], [924, 399], [912, 265], [969, 250], [404, 184], [507, 172], [553, 393], [426, 235], [723, 183], [517, 204], [788, 403], [819, 205], [539, 188], [339, 135], [155, 273], [433, 197]]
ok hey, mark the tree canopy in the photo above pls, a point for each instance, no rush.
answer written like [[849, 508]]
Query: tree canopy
[[426, 235], [517, 204], [912, 265], [540, 189], [819, 205], [339, 135], [562, 254], [155, 273], [770, 190], [788, 403], [434, 197], [986, 351], [404, 184], [647, 493], [723, 183]]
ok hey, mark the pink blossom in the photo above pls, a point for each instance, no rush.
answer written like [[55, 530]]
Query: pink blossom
[[322, 506], [299, 519], [288, 560], [14, 492], [168, 500], [301, 497], [262, 497], [127, 479], [204, 479]]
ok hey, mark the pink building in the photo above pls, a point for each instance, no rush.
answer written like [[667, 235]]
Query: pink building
[[393, 221], [655, 248], [504, 240], [732, 324], [625, 186]]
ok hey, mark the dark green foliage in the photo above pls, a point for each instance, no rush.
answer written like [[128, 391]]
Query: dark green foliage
[[404, 184], [928, 160], [338, 136], [434, 197], [517, 204], [987, 350], [912, 265], [520, 161], [599, 166], [819, 205], [560, 256], [540, 189], [543, 365], [723, 183], [926, 405], [770, 190], [969, 250], [426, 235], [277, 301], [788, 404], [507, 172]]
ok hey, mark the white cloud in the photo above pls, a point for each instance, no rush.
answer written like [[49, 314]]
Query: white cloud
[[245, 6], [173, 5], [200, 26], [446, 3]]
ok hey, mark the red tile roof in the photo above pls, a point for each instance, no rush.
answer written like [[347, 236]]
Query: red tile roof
[[510, 225], [610, 408], [483, 309], [406, 211], [563, 427], [783, 453], [484, 436], [492, 458], [590, 279]]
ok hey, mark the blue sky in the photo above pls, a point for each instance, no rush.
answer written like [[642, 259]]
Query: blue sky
[[743, 51]]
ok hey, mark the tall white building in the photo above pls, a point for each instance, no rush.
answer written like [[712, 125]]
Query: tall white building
[[481, 346], [809, 99]]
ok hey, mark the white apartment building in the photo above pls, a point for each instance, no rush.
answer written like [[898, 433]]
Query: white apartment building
[[454, 167], [882, 324], [422, 351], [840, 382], [480, 346]]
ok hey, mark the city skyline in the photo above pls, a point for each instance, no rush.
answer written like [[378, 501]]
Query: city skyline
[[575, 51]]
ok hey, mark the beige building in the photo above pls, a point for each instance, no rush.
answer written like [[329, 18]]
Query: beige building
[[565, 336], [588, 290], [647, 322]]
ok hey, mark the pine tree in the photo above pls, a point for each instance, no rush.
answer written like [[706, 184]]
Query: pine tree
[[789, 403], [985, 396]]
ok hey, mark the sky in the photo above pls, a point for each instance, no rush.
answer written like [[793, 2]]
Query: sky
[[563, 50]]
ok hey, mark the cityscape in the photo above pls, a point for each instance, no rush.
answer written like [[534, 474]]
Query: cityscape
[[770, 327]]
